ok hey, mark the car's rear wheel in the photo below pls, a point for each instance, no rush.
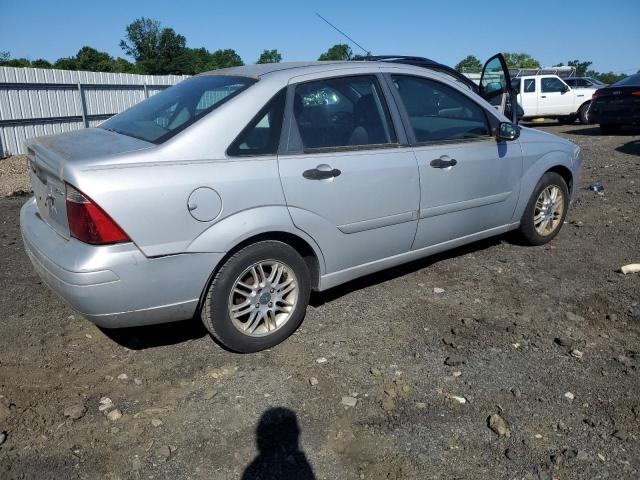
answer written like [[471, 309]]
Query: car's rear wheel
[[583, 114], [546, 210], [258, 297], [609, 128]]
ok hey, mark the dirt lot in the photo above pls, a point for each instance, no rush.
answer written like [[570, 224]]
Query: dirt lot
[[548, 338]]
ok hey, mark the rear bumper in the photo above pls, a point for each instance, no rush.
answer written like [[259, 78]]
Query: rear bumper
[[115, 285], [620, 115]]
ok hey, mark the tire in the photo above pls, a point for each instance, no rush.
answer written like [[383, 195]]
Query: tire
[[528, 231], [609, 128], [220, 297], [583, 114], [568, 120]]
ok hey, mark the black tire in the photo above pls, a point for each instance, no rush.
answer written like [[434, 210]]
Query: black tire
[[215, 312], [583, 114], [568, 120], [527, 229], [609, 128]]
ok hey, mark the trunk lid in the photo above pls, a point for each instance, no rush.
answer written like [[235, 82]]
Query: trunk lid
[[50, 156]]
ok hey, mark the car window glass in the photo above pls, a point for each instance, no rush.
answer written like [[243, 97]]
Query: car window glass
[[515, 84], [166, 113], [571, 82], [262, 135], [551, 84], [342, 112], [437, 112], [530, 85]]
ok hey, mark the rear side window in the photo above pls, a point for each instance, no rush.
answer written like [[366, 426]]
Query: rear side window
[[262, 135], [530, 85], [551, 84], [174, 109], [342, 112], [438, 112]]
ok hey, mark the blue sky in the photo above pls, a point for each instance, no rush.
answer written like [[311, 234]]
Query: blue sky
[[607, 33]]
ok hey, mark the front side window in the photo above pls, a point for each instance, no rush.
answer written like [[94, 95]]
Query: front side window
[[262, 135], [438, 112], [530, 85], [552, 84], [172, 110], [342, 112]]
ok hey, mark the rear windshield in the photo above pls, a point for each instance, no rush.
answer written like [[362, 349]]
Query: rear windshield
[[632, 80], [172, 110]]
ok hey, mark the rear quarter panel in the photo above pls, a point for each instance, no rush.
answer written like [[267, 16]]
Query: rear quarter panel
[[149, 201]]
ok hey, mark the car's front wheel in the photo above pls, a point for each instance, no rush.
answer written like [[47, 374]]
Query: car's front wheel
[[546, 210], [258, 297]]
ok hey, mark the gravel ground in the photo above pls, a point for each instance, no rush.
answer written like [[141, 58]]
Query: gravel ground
[[525, 366], [14, 176]]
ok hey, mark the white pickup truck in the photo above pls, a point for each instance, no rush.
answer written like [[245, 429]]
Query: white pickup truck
[[549, 96]]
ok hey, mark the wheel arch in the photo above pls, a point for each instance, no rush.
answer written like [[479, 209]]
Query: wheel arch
[[299, 244], [566, 175]]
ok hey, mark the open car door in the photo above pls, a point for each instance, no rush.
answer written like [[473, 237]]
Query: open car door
[[495, 87]]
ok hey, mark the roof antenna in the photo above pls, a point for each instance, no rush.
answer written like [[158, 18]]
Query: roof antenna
[[366, 52]]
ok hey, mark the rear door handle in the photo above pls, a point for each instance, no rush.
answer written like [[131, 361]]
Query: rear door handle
[[318, 174], [443, 162]]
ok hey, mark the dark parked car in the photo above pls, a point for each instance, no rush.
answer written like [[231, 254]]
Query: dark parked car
[[617, 105], [584, 82]]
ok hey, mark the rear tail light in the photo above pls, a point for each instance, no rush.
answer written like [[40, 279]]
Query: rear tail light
[[636, 94], [597, 94], [89, 223]]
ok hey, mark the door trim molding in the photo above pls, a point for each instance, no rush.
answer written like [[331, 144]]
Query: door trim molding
[[379, 222], [333, 279], [464, 205]]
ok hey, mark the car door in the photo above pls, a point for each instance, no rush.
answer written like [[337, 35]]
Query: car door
[[469, 181], [530, 96], [496, 87], [350, 179], [556, 98]]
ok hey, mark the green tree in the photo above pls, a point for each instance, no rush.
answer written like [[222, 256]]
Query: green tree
[[201, 60], [225, 59], [581, 67], [16, 62], [88, 59], [270, 56], [4, 56], [469, 64], [340, 51], [520, 60], [608, 77], [156, 50], [41, 63]]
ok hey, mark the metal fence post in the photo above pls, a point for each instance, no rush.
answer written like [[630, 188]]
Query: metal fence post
[[83, 105], [146, 91]]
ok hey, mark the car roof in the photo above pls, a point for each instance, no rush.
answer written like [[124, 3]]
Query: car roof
[[293, 69], [260, 69]]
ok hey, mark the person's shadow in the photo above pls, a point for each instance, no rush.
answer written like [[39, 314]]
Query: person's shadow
[[279, 457]]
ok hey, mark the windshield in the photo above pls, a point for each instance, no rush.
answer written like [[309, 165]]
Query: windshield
[[172, 110], [632, 80]]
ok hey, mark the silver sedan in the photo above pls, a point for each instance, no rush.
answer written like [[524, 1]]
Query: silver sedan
[[234, 194]]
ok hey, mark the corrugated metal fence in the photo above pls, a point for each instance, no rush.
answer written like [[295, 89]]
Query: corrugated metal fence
[[36, 101]]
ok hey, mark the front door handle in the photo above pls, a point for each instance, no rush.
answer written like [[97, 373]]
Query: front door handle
[[318, 174], [443, 162]]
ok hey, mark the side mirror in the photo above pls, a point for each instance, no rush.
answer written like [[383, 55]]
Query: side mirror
[[565, 89], [508, 131]]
